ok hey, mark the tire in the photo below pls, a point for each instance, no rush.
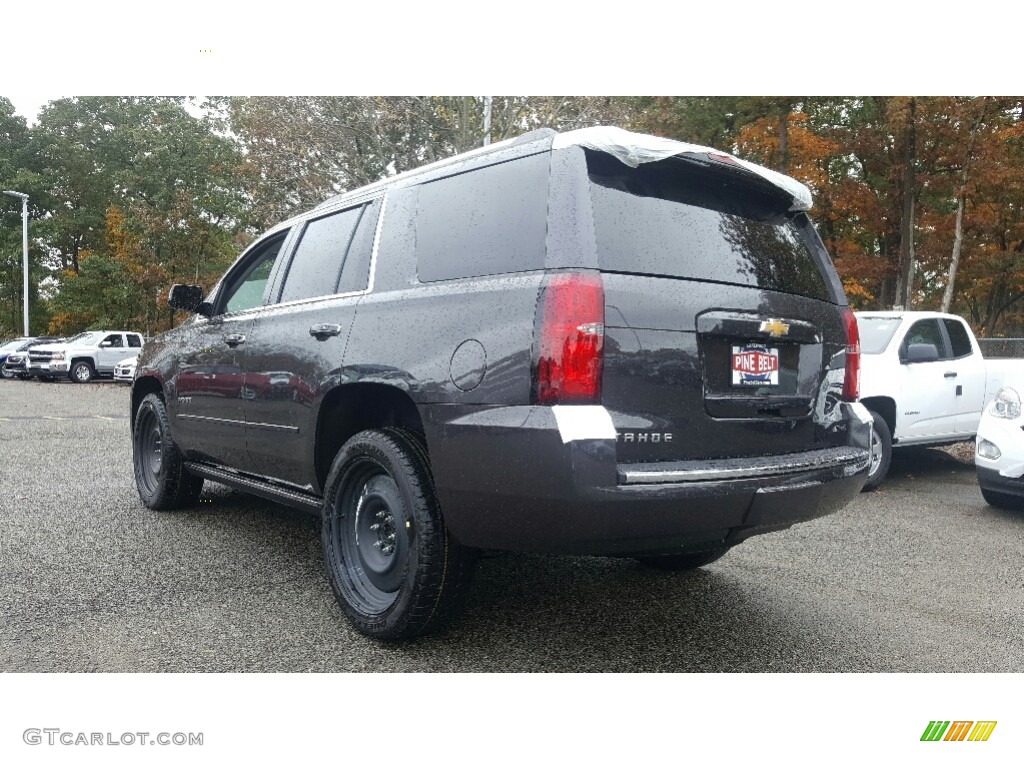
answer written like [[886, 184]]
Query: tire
[[81, 372], [393, 566], [688, 562], [160, 475], [881, 452], [1002, 500], [5, 373]]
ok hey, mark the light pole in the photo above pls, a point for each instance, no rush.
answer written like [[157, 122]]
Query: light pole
[[24, 249]]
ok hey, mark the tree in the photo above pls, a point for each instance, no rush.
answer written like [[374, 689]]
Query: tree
[[149, 191], [14, 140], [300, 150]]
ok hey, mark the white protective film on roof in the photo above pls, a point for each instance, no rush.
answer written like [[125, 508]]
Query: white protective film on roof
[[635, 148]]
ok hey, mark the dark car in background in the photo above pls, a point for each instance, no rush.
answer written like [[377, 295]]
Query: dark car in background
[[593, 342]]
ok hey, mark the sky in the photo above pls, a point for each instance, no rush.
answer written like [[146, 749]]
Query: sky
[[529, 48]]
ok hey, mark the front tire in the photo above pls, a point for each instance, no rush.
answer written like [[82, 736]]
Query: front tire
[[81, 372], [6, 373], [394, 568], [160, 475], [881, 452]]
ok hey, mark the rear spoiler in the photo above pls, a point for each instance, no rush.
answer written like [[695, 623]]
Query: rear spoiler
[[636, 148]]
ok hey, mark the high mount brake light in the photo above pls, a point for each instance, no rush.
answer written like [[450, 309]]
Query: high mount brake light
[[851, 374], [723, 158], [570, 340]]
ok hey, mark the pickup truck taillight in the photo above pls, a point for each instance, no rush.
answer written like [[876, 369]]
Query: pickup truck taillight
[[569, 344], [851, 375]]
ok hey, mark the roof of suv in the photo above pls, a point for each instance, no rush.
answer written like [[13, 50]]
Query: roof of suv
[[629, 147]]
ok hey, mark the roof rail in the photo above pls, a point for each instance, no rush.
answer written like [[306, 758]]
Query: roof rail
[[535, 135]]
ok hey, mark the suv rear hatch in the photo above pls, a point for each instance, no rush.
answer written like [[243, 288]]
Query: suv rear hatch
[[721, 316]]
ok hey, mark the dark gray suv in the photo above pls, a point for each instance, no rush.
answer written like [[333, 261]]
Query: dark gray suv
[[594, 342]]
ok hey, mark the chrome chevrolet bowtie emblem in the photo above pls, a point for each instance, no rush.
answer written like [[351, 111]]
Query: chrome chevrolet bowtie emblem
[[774, 327]]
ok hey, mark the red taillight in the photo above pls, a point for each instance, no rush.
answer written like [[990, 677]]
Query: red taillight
[[851, 376], [570, 340]]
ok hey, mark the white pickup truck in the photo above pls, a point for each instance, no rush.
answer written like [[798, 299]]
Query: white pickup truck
[[924, 380], [85, 356]]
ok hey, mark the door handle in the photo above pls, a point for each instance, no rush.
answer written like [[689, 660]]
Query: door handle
[[234, 339], [949, 375], [324, 331]]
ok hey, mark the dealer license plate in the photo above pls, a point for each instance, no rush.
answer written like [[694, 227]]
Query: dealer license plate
[[755, 365]]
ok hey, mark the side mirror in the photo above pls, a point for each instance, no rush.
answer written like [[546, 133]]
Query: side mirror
[[922, 353], [105, 344], [185, 297]]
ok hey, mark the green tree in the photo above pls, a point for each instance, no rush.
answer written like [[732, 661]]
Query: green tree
[[176, 185]]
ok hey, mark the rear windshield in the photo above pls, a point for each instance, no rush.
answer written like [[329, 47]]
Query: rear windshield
[[875, 333], [667, 218]]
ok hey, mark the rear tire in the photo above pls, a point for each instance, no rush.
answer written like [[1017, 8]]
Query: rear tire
[[881, 452], [1002, 500], [686, 562], [160, 475], [393, 566]]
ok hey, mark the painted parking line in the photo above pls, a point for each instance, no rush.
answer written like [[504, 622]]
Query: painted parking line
[[63, 418]]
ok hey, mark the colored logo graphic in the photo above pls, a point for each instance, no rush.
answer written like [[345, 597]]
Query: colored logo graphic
[[958, 730], [775, 327], [755, 364]]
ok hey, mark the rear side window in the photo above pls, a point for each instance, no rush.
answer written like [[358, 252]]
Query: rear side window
[[664, 218], [316, 267], [134, 340], [488, 221], [958, 337], [876, 333], [355, 275]]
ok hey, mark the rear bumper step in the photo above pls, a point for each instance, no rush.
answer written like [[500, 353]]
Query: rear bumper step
[[710, 470]]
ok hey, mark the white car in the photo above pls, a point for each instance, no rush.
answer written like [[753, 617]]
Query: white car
[[125, 370], [999, 451]]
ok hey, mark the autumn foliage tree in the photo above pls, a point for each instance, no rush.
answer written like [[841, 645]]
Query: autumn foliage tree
[[919, 200]]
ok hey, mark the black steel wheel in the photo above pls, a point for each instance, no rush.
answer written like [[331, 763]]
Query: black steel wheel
[[393, 566], [685, 562], [81, 372], [160, 475], [881, 452]]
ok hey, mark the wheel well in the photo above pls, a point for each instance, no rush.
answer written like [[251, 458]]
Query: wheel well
[[884, 407], [82, 360], [145, 386], [354, 407]]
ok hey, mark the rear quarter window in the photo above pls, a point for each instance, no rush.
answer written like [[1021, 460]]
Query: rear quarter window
[[958, 337], [488, 221]]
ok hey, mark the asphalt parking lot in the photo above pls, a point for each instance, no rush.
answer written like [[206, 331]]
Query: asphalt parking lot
[[921, 575]]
